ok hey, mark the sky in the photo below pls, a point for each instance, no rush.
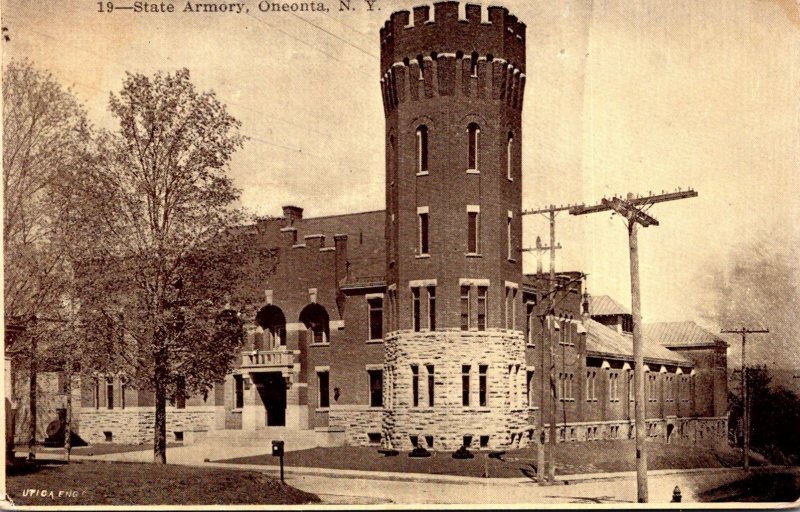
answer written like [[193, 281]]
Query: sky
[[622, 96]]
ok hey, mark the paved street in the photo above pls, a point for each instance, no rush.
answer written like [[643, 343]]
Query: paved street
[[355, 487]]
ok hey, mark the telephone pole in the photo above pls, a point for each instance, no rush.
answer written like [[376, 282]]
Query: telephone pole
[[540, 250], [631, 208], [547, 454], [744, 331]]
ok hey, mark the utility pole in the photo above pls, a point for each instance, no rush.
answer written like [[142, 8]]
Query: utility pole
[[540, 250], [744, 331], [631, 209], [547, 454]]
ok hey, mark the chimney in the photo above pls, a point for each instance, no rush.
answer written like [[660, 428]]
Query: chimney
[[292, 214]]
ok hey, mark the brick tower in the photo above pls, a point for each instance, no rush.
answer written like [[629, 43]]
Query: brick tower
[[452, 87]]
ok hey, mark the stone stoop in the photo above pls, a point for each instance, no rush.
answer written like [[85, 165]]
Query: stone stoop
[[293, 439]]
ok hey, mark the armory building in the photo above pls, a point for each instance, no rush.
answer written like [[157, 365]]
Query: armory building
[[416, 324]]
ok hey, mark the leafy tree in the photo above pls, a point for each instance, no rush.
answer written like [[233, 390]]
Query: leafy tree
[[165, 253], [46, 137]]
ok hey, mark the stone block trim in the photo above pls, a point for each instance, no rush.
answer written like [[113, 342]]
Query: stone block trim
[[136, 425], [358, 422], [502, 420]]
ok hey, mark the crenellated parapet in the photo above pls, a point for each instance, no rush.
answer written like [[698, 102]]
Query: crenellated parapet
[[443, 55]]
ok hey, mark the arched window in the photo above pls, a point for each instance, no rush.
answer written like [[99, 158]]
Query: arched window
[[474, 134], [271, 319], [315, 318], [422, 149], [509, 156]]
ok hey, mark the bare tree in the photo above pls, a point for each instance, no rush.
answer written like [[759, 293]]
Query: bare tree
[[45, 137]]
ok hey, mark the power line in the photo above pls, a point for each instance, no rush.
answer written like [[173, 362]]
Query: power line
[[345, 41]]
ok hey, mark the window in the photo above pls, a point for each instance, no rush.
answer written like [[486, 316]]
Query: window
[[315, 318], [375, 318], [96, 393], [566, 380], [109, 393], [651, 388], [482, 385], [323, 389], [272, 320], [509, 156], [422, 214], [180, 393], [465, 369], [465, 308], [375, 388], [511, 308], [432, 308], [473, 229], [613, 390], [473, 64], [482, 307], [590, 386], [630, 385], [530, 387], [238, 391], [431, 385], [529, 323], [415, 386], [415, 303], [474, 135], [509, 244], [422, 149]]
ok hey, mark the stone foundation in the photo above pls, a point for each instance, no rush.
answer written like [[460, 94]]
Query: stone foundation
[[136, 425], [358, 423], [500, 422], [682, 431]]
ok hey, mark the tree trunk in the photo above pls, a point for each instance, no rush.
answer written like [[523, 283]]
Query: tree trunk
[[32, 399], [160, 440], [68, 422]]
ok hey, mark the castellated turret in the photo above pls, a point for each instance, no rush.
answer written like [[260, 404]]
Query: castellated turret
[[453, 81]]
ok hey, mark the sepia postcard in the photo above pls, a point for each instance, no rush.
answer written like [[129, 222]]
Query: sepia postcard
[[396, 254]]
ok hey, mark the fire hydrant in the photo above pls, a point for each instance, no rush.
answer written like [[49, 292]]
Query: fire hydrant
[[676, 495]]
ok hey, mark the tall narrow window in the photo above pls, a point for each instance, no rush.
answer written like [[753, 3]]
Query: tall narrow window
[[375, 388], [473, 230], [529, 386], [432, 308], [509, 156], [474, 136], [431, 385], [465, 388], [238, 391], [529, 322], [110, 393], [482, 385], [422, 214], [590, 388], [630, 385], [473, 64], [323, 387], [465, 308], [509, 241], [422, 149], [375, 318], [415, 386], [482, 307], [416, 309]]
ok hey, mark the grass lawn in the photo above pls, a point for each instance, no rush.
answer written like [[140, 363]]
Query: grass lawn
[[101, 483], [757, 487], [94, 449], [571, 458]]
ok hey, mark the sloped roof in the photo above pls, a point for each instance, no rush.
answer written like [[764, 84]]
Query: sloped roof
[[681, 334], [603, 341], [603, 305]]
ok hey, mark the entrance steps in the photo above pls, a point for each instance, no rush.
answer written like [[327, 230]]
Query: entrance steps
[[262, 438]]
